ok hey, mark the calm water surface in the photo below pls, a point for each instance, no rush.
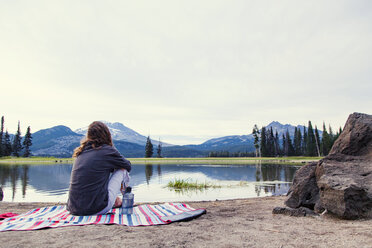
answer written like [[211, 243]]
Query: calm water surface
[[49, 183]]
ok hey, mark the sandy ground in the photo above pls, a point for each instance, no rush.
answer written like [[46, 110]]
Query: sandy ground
[[233, 223]]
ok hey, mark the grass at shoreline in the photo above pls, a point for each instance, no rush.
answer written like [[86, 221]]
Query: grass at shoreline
[[181, 184], [216, 161], [35, 160]]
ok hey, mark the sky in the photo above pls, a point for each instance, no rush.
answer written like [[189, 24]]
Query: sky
[[184, 71]]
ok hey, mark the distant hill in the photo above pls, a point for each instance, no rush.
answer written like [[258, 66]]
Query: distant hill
[[60, 141], [119, 132], [57, 141], [122, 133], [282, 128], [130, 150], [235, 143], [181, 151], [244, 143]]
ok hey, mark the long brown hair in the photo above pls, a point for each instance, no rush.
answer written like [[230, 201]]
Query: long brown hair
[[98, 134]]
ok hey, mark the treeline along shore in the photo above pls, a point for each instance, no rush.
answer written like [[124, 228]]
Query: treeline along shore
[[15, 145], [221, 161], [307, 142]]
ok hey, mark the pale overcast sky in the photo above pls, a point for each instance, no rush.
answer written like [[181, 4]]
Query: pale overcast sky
[[184, 71]]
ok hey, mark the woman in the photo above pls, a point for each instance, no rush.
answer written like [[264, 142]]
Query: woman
[[92, 190]]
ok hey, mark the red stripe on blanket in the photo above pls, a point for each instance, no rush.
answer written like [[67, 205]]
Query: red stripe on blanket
[[98, 219], [35, 225], [175, 206], [111, 221], [156, 213], [146, 216]]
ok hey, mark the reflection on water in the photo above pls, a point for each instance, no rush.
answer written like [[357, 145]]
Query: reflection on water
[[148, 172], [23, 183]]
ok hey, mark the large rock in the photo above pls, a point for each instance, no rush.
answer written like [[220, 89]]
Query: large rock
[[345, 187], [304, 190], [356, 138], [341, 183]]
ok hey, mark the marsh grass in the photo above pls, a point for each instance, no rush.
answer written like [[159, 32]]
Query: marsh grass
[[35, 160], [182, 184]]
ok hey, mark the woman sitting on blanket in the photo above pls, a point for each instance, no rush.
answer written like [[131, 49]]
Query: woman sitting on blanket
[[92, 189]]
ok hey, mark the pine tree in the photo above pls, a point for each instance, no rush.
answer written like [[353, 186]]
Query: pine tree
[[27, 143], [310, 146], [326, 141], [149, 148], [297, 141], [17, 146], [277, 146], [1, 137], [317, 141], [284, 145], [331, 135], [159, 150], [338, 134], [263, 142], [7, 144], [300, 152], [289, 151], [256, 141], [304, 142], [269, 142]]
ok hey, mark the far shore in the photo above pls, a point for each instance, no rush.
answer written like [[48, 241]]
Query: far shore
[[206, 160]]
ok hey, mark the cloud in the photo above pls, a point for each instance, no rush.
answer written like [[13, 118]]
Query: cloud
[[185, 67]]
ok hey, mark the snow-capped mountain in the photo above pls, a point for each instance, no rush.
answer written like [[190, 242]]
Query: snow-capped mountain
[[119, 132], [282, 129], [60, 141], [243, 143], [234, 139]]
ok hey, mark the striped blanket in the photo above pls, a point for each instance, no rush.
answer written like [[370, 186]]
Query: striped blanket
[[58, 216]]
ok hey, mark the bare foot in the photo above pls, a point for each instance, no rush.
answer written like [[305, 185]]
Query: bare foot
[[118, 202]]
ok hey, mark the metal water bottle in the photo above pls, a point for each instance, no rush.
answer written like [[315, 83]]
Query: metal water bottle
[[128, 200]]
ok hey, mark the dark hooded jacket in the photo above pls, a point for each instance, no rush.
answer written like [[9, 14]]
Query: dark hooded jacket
[[90, 175]]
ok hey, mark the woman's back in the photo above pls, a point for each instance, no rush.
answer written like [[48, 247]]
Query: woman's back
[[90, 176]]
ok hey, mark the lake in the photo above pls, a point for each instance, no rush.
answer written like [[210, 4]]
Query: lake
[[49, 183]]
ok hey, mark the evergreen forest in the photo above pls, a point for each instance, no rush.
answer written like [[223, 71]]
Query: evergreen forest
[[305, 142], [15, 145]]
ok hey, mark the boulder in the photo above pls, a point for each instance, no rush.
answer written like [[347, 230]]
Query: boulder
[[341, 183], [304, 190], [355, 139]]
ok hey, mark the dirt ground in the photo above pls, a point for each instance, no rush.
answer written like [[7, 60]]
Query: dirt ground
[[232, 223]]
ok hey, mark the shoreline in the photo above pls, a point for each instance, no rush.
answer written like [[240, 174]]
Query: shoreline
[[227, 223], [216, 161]]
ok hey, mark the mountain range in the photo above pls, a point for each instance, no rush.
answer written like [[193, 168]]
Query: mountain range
[[123, 133], [60, 141]]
